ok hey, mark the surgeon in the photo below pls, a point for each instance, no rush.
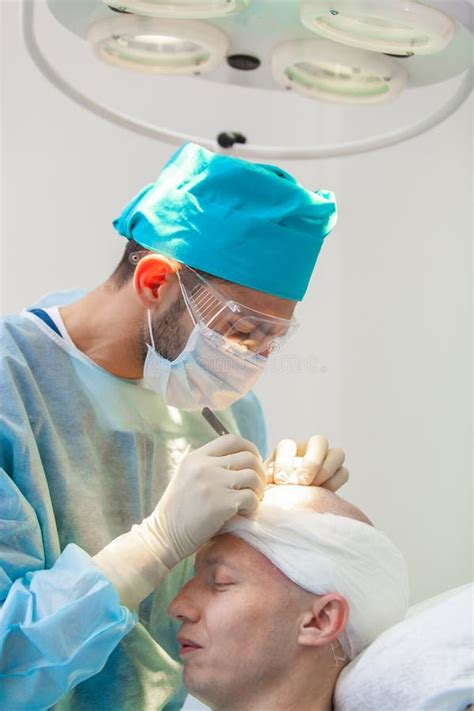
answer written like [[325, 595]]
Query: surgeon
[[110, 478]]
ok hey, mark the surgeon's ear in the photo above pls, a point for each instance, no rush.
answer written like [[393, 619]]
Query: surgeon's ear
[[151, 273], [325, 621]]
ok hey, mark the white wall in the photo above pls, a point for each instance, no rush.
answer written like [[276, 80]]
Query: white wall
[[382, 361]]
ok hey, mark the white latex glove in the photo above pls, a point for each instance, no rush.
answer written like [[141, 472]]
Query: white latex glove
[[307, 463], [212, 484]]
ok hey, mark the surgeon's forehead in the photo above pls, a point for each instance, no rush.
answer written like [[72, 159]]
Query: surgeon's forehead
[[258, 300]]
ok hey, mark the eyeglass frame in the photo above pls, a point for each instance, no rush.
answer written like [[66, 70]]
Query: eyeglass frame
[[292, 323]]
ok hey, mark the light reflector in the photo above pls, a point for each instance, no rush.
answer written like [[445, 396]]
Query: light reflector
[[324, 70], [183, 9], [159, 46], [402, 27]]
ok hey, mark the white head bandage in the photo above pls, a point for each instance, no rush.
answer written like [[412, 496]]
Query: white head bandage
[[324, 553]]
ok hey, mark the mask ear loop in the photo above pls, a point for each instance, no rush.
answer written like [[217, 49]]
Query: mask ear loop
[[185, 296], [150, 330]]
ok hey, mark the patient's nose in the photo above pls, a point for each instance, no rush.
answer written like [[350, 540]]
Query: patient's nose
[[183, 607]]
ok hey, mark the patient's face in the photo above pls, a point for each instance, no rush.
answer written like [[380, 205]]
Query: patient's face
[[243, 613]]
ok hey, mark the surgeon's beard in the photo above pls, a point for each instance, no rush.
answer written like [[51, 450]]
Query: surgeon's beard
[[169, 333]]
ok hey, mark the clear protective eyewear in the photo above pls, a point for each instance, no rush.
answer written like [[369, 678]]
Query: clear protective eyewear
[[258, 332]]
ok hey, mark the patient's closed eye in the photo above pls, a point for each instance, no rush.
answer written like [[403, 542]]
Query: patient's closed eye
[[222, 577], [222, 587], [222, 580]]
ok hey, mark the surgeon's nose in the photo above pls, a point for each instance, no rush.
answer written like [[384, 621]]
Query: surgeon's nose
[[182, 607]]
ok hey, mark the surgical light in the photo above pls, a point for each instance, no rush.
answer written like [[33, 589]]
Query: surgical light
[[184, 9], [159, 46], [400, 27], [323, 70], [244, 53]]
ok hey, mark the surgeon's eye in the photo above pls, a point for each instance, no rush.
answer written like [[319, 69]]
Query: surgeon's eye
[[243, 326]]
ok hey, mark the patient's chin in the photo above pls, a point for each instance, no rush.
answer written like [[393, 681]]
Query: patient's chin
[[197, 688]]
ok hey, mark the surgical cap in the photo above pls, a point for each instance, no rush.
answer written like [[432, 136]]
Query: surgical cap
[[324, 553], [250, 223]]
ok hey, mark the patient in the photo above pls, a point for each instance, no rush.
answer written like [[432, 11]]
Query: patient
[[282, 600]]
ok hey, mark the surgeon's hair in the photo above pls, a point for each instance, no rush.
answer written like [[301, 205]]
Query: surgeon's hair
[[125, 269]]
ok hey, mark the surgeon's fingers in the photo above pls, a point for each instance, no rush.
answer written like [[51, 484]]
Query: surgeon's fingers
[[247, 501], [333, 461], [244, 460], [337, 480], [228, 444], [268, 465], [249, 479], [313, 458], [283, 466]]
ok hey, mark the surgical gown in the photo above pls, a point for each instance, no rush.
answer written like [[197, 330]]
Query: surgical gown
[[83, 456]]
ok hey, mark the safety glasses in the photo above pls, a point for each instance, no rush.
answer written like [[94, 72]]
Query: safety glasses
[[256, 331]]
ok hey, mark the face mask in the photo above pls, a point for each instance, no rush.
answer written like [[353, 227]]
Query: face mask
[[211, 371]]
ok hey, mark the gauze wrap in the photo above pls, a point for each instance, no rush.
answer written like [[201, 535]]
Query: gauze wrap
[[324, 553]]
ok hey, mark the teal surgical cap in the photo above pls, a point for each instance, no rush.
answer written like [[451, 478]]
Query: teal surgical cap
[[250, 223]]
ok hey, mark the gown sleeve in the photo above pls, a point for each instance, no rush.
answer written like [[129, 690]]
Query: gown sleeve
[[249, 417], [58, 626], [60, 617]]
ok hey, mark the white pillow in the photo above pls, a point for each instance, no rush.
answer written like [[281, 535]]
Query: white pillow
[[425, 663]]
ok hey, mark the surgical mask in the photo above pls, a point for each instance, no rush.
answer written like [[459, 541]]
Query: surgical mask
[[211, 371]]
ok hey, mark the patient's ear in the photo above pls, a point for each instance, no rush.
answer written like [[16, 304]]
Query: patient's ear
[[325, 621]]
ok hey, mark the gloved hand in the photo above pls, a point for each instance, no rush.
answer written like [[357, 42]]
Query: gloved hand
[[212, 484], [307, 463]]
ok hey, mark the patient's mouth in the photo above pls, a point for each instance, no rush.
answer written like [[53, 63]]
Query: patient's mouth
[[186, 646]]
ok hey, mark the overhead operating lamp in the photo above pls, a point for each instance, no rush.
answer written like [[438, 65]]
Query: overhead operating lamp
[[365, 53]]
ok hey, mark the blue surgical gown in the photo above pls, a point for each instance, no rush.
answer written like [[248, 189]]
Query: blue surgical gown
[[83, 456]]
